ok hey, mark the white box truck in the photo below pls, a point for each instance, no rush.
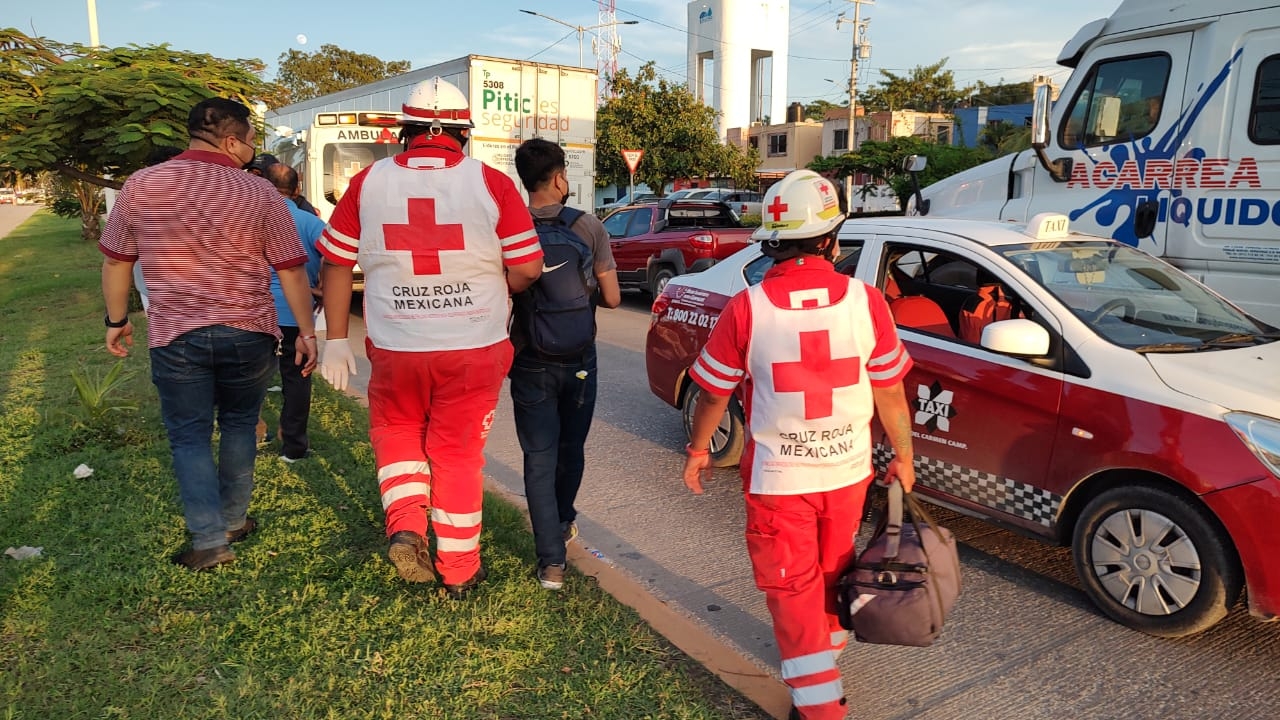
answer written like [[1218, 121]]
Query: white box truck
[[1166, 137], [331, 138]]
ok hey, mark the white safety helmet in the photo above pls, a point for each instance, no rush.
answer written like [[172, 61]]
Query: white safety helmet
[[436, 102], [801, 206]]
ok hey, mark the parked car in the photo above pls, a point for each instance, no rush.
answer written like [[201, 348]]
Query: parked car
[[742, 202], [625, 200], [1068, 387], [653, 243], [7, 196]]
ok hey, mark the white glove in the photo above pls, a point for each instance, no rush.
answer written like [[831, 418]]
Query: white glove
[[337, 362]]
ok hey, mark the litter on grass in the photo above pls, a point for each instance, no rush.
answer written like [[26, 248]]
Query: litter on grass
[[23, 552]]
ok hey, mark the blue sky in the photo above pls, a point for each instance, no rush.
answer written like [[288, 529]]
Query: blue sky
[[986, 40]]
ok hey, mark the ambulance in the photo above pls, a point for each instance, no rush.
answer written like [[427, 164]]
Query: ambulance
[[1166, 137], [330, 139]]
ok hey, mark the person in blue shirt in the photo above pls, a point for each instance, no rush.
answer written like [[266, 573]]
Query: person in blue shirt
[[296, 385]]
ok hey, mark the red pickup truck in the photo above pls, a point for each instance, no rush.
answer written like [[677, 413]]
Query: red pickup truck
[[654, 242]]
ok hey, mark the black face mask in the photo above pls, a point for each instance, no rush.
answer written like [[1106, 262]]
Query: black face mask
[[564, 200]]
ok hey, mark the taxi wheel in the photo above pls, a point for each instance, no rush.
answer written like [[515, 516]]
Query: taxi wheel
[[1155, 562], [728, 439], [661, 277]]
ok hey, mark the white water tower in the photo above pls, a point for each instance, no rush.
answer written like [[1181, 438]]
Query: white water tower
[[738, 59]]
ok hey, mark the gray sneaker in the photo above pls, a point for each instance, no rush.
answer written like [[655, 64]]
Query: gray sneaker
[[551, 577]]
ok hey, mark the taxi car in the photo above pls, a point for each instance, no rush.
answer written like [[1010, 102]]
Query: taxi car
[[1065, 386]]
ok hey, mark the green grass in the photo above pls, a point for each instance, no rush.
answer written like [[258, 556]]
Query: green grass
[[311, 621]]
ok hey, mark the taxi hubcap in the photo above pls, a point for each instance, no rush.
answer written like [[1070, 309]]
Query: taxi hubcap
[[1146, 562]]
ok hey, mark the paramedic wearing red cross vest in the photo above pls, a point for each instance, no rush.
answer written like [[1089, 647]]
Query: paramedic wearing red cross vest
[[817, 354], [443, 240]]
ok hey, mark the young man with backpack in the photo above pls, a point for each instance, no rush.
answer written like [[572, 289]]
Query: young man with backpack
[[553, 376]]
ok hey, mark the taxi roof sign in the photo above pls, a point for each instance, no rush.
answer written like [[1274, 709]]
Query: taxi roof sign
[[1048, 226]]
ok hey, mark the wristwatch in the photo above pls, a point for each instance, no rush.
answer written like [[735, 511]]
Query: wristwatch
[[117, 324]]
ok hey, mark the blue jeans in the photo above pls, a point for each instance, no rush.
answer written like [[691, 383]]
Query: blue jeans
[[213, 367], [553, 409]]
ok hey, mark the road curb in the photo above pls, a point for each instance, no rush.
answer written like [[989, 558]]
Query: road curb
[[734, 668]]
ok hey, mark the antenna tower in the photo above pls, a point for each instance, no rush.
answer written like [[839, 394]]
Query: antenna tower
[[607, 44]]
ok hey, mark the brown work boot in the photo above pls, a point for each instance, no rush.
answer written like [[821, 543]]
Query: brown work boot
[[408, 552], [235, 536], [204, 559], [461, 590]]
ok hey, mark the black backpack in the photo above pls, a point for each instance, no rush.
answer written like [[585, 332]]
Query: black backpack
[[556, 314]]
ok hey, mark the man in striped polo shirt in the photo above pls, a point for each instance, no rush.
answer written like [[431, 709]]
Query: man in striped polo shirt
[[208, 235], [443, 240], [818, 354]]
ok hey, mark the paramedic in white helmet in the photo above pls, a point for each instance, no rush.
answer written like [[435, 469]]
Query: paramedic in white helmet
[[817, 354], [443, 240]]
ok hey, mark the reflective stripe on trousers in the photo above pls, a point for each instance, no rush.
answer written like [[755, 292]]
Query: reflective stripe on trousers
[[429, 415], [799, 544]]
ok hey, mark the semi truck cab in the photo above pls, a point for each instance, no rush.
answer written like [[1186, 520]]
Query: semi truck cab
[[1166, 137]]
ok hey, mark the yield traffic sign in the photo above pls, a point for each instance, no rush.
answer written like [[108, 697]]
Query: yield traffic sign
[[633, 159]]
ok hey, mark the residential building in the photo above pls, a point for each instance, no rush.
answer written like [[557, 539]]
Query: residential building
[[783, 148]]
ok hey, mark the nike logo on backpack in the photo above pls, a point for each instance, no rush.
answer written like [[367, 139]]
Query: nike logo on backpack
[[546, 269]]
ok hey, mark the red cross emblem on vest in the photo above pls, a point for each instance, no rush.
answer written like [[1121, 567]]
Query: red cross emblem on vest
[[777, 207], [816, 374], [423, 236]]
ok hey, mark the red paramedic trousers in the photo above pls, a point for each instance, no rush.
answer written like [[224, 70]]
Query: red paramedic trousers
[[799, 545], [429, 415]]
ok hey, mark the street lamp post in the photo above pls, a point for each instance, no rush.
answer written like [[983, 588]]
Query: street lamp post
[[580, 29]]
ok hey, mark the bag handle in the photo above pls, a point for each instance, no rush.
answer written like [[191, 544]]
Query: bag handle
[[893, 523], [893, 520]]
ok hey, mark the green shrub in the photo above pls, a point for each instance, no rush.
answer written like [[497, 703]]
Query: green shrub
[[98, 396]]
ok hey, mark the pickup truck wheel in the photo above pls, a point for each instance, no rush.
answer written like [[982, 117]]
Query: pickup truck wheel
[[728, 439], [1155, 562], [661, 277]]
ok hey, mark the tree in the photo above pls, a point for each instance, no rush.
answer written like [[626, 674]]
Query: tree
[[1000, 94], [1002, 138], [883, 161], [303, 76], [817, 110], [92, 115], [675, 130], [926, 88]]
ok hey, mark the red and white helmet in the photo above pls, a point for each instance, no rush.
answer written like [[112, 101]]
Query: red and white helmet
[[800, 206], [436, 102]]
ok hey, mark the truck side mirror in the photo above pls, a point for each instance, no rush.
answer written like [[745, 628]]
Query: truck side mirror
[[1059, 170], [913, 165], [1040, 118]]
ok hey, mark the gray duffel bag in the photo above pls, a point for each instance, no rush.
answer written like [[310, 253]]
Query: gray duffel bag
[[902, 586]]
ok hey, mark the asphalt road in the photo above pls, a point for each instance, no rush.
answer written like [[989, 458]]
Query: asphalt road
[[1023, 641]]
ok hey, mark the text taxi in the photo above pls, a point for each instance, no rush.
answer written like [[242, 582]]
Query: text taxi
[[1067, 386]]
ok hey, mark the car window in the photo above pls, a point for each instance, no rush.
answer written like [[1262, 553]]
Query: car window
[[846, 263], [945, 295], [1264, 116], [1121, 100], [1132, 299], [616, 224], [641, 220], [703, 215]]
